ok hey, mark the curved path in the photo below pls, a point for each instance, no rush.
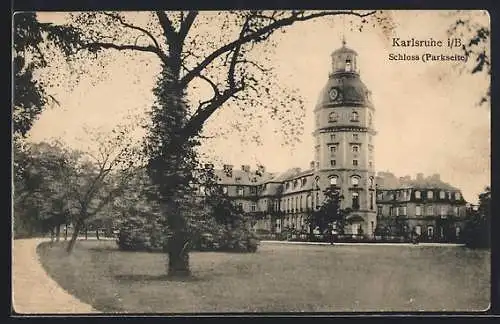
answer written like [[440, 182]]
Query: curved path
[[33, 291]]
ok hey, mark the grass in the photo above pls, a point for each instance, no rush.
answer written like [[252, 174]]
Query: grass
[[278, 278]]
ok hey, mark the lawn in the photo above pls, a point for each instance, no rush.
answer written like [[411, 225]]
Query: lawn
[[278, 278]]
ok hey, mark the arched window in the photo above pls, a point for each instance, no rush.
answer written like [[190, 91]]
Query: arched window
[[355, 180], [334, 180], [355, 148], [371, 181], [354, 116], [355, 200], [316, 182], [333, 117], [417, 194]]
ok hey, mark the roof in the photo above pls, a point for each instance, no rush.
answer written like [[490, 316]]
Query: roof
[[344, 49], [388, 181], [245, 178]]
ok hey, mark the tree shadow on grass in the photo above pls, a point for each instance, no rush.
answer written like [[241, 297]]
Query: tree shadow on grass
[[144, 278]]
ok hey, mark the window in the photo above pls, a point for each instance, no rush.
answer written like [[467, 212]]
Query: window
[[295, 183], [355, 137], [354, 116], [430, 231], [355, 148], [304, 181], [253, 207], [202, 190], [417, 194], [418, 229], [355, 162], [457, 195], [455, 211], [224, 190], [371, 200], [418, 211], [309, 201], [370, 164], [371, 181], [457, 232], [372, 226], [354, 181], [240, 206], [300, 203], [405, 195], [355, 200], [240, 191], [333, 117], [429, 211], [253, 190], [430, 194], [333, 163], [403, 210], [332, 137], [442, 194], [442, 211], [334, 180], [333, 149], [348, 66], [379, 210]]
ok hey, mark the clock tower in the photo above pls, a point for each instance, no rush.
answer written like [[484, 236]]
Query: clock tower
[[344, 146]]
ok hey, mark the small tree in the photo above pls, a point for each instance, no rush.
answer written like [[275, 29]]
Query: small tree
[[477, 232], [330, 212]]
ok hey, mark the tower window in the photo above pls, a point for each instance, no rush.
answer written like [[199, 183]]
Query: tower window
[[355, 162], [355, 200], [355, 148], [333, 149], [348, 65], [333, 163], [355, 137], [332, 137], [333, 117], [355, 181], [371, 200], [354, 116], [334, 180]]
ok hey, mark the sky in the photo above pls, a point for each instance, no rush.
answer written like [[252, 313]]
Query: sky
[[427, 117]]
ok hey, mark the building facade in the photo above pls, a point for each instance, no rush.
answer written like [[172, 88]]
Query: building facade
[[344, 159]]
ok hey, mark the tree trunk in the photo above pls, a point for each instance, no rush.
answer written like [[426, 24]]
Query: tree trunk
[[178, 256], [66, 232], [58, 232], [97, 234], [76, 231], [86, 232]]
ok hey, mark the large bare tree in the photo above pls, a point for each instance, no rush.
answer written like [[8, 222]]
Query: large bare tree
[[226, 50]]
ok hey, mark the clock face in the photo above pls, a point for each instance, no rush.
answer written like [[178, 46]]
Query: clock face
[[334, 93]]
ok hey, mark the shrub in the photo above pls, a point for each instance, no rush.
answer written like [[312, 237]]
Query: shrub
[[140, 233]]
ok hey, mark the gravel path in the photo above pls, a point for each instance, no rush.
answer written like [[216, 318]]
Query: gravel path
[[33, 291]]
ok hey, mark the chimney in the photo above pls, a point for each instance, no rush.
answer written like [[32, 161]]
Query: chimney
[[311, 165], [228, 170], [420, 177], [245, 168]]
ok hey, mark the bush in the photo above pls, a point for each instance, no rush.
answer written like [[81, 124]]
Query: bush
[[140, 234]]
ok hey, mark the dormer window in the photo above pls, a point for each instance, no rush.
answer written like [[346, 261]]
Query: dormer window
[[457, 195], [430, 194], [417, 194], [354, 116], [333, 117]]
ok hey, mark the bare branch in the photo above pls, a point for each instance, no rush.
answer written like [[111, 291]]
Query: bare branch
[[128, 25], [262, 69], [295, 17], [166, 24], [187, 23], [95, 46]]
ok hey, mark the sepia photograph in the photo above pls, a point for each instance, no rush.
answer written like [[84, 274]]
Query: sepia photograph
[[251, 162]]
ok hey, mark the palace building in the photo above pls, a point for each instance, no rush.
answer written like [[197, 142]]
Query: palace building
[[344, 120]]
